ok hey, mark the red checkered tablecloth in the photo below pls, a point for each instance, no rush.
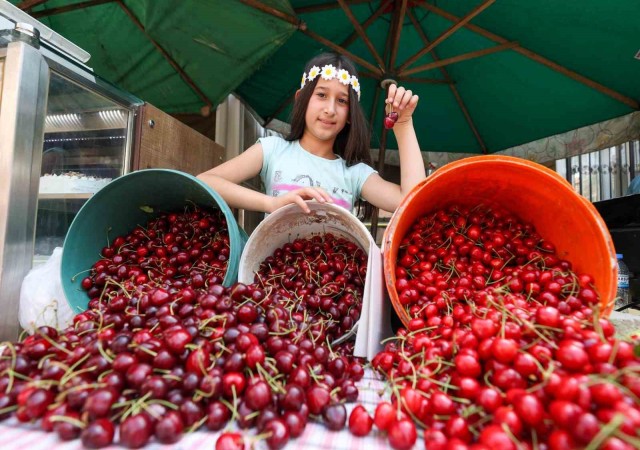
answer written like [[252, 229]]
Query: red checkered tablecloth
[[15, 435]]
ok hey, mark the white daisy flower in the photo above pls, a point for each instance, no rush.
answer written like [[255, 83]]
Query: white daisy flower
[[328, 72], [355, 84], [344, 77], [314, 72], [304, 79]]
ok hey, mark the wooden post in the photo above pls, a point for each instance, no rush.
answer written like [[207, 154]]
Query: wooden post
[[384, 84]]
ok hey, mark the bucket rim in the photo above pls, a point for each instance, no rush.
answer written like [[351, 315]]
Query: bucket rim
[[560, 185], [70, 270]]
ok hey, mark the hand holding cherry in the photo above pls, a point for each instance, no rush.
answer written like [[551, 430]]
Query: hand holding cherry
[[400, 104]]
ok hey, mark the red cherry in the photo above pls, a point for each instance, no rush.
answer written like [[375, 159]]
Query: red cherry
[[230, 441], [360, 422], [389, 122], [402, 434]]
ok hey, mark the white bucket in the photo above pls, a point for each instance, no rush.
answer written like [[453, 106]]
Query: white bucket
[[289, 223]]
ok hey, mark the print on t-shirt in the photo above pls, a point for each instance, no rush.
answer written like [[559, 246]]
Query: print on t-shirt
[[287, 167], [301, 180]]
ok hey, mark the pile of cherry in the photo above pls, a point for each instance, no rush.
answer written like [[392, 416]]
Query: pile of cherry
[[323, 276], [505, 348], [164, 349]]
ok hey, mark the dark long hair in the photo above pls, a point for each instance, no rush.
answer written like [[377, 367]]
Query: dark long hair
[[352, 143]]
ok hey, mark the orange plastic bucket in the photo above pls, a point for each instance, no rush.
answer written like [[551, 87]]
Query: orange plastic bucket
[[534, 193]]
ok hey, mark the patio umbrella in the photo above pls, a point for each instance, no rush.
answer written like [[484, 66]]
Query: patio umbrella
[[183, 56], [491, 74]]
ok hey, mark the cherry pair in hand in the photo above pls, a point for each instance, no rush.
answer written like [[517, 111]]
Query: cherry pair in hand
[[390, 120]]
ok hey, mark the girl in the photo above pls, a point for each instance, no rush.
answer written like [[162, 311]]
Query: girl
[[326, 155]]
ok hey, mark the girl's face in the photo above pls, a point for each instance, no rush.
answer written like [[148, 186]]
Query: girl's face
[[328, 109]]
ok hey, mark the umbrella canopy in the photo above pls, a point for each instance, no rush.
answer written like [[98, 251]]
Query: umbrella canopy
[[182, 56], [490, 74]]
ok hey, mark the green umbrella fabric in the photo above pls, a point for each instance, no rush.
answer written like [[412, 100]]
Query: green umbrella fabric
[[491, 74], [179, 55], [500, 74]]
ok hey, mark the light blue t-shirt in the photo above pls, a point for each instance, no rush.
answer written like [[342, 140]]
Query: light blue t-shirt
[[286, 166]]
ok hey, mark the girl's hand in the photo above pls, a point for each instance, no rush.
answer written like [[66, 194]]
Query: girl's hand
[[404, 102], [299, 196]]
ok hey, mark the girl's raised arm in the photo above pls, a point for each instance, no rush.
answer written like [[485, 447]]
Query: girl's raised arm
[[384, 194]]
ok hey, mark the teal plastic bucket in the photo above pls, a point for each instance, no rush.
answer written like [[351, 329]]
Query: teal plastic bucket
[[120, 206]]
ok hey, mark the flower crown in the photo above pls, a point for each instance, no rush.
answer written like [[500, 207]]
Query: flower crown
[[329, 72]]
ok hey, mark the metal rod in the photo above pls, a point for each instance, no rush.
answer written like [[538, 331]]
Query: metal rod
[[632, 160]]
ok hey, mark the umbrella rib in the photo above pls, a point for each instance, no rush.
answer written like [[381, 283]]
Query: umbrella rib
[[166, 55], [274, 12], [425, 41], [69, 8], [397, 31], [460, 58], [540, 59], [341, 50], [378, 12], [375, 76], [459, 24], [279, 109], [423, 80], [448, 78], [360, 31], [28, 4], [302, 26], [324, 6]]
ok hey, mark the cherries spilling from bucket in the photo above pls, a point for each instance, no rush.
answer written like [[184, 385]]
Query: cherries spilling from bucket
[[505, 346], [164, 348]]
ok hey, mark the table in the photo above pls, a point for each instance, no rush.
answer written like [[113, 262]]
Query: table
[[15, 435]]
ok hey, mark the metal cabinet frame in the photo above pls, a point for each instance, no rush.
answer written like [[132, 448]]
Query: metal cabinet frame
[[24, 84]]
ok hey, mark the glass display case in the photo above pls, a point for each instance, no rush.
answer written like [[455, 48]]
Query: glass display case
[[64, 134], [86, 145]]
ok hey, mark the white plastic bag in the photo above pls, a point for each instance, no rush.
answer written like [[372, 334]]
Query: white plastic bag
[[42, 300]]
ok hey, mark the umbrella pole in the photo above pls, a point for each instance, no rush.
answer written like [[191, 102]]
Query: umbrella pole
[[381, 157]]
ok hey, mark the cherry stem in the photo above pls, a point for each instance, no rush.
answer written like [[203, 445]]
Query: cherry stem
[[609, 429], [75, 422]]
